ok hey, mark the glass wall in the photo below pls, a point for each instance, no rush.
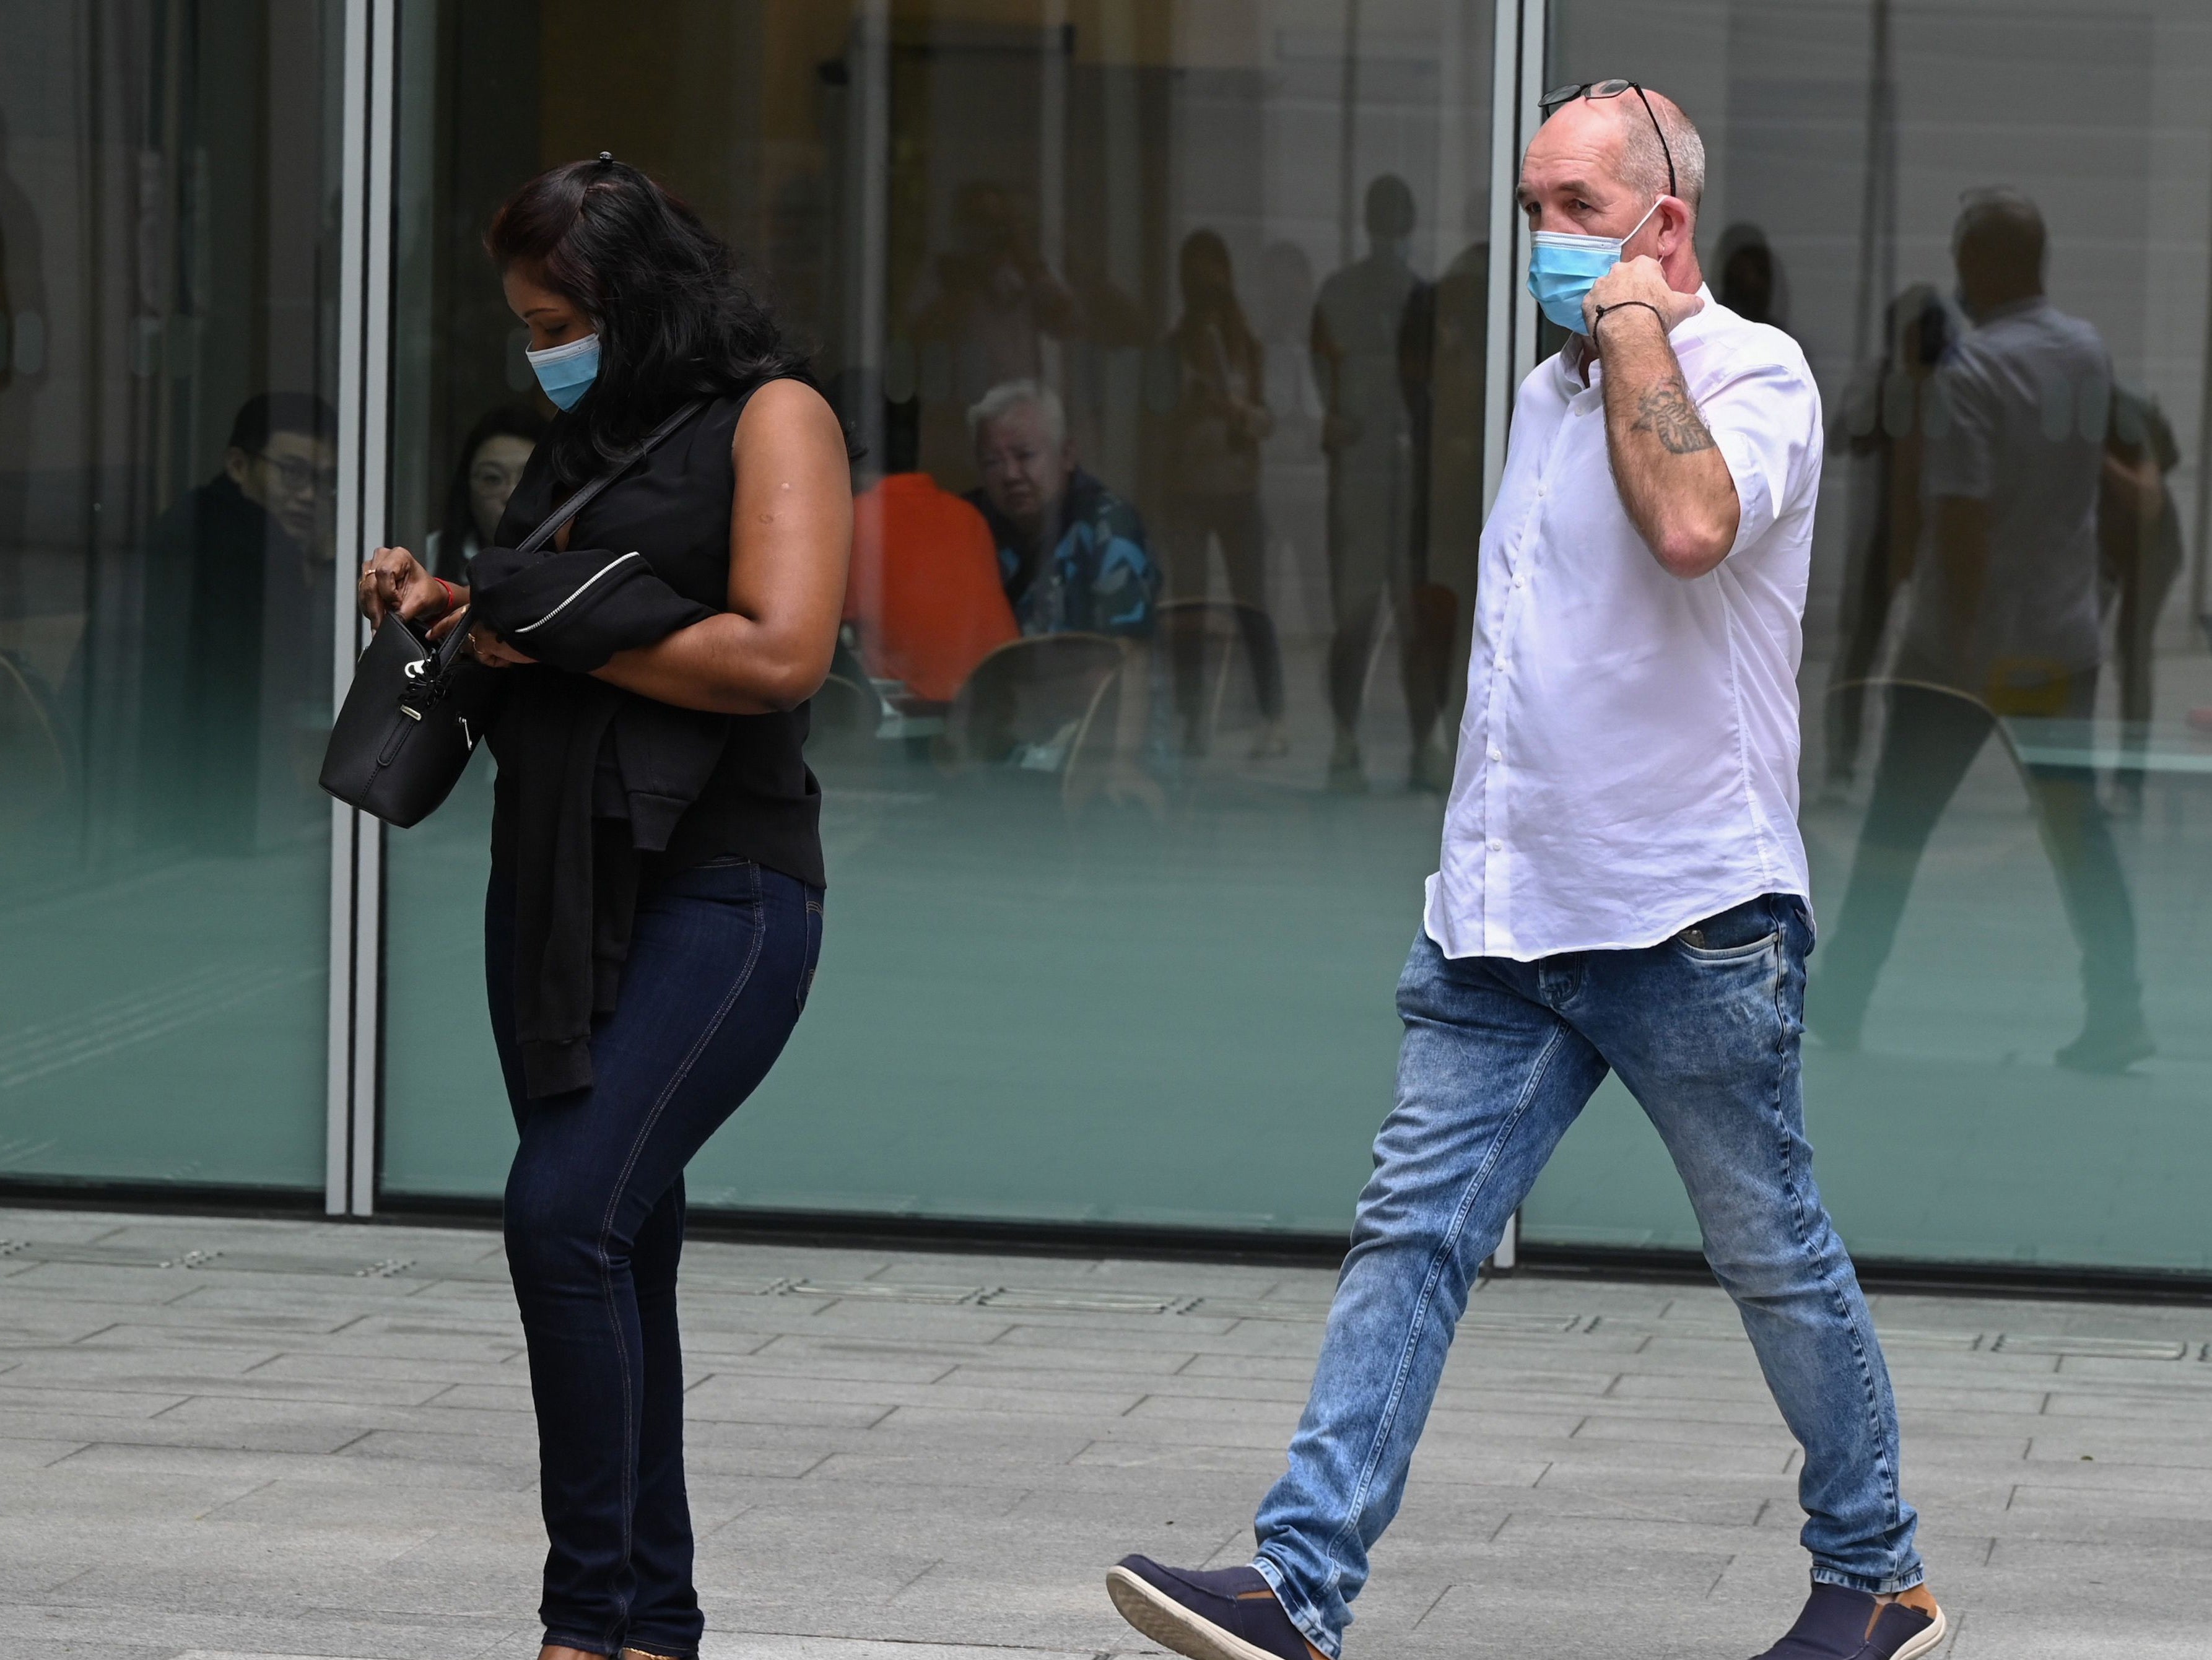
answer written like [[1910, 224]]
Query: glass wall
[[168, 192], [1123, 861], [1120, 890], [1987, 225]]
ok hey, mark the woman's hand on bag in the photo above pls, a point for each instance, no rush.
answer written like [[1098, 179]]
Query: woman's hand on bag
[[393, 579], [492, 652]]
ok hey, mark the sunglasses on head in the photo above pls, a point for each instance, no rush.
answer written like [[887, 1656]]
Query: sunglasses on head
[[1552, 101]]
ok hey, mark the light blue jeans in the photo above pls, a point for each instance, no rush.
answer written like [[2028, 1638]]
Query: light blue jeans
[[1498, 1059]]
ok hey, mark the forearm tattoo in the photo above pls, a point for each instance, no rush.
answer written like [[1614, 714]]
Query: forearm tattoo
[[1667, 413]]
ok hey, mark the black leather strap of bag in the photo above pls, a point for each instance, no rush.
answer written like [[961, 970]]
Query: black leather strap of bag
[[450, 651], [582, 499]]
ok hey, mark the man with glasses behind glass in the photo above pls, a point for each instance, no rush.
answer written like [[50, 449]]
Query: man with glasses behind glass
[[1622, 888], [234, 701]]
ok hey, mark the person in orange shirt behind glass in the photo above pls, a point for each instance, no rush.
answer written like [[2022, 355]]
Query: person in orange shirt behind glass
[[924, 593]]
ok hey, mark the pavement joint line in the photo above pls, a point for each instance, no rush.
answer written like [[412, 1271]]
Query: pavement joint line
[[1431, 1608]]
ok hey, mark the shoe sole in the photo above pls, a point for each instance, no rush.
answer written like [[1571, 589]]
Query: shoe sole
[[1172, 1625], [2114, 1065], [1928, 1641]]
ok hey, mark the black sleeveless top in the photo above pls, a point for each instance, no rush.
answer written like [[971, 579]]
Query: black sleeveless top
[[762, 802]]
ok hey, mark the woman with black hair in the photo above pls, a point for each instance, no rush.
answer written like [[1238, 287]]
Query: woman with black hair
[[493, 456], [654, 913]]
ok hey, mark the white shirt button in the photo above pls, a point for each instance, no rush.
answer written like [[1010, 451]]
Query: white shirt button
[[1519, 583], [1504, 665], [1497, 755], [1497, 845]]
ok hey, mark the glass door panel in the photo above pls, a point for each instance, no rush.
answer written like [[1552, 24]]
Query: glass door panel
[[2011, 1047], [168, 181], [1119, 954]]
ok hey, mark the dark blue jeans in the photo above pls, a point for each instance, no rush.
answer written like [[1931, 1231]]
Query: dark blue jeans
[[721, 962]]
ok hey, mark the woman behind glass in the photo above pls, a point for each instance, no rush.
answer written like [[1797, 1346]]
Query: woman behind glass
[[699, 923], [1220, 417], [498, 447]]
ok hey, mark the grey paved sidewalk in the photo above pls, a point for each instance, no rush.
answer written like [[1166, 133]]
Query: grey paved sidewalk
[[229, 1438]]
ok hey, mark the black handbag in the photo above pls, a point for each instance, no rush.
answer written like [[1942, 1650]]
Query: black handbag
[[415, 711]]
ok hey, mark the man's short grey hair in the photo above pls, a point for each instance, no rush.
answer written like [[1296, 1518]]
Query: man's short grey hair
[[2005, 222], [1644, 164], [1010, 395]]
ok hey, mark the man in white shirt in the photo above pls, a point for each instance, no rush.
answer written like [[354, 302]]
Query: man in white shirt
[[2003, 623], [1622, 887]]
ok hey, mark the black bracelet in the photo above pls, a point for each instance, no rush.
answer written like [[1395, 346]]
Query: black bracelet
[[1622, 305]]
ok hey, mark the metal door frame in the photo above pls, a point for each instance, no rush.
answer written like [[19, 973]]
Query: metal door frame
[[364, 382], [1516, 68]]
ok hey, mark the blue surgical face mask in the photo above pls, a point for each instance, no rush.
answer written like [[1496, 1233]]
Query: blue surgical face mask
[[1562, 268], [566, 371]]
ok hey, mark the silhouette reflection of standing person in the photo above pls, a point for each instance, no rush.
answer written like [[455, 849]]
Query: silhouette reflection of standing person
[[988, 306], [22, 362], [1367, 434], [1444, 363], [1752, 284], [1282, 301], [2003, 623], [1883, 414], [2139, 543], [1220, 419]]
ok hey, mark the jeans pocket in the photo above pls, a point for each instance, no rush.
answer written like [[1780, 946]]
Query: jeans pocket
[[813, 951], [1738, 935]]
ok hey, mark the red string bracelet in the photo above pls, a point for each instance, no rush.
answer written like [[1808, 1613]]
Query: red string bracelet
[[448, 588]]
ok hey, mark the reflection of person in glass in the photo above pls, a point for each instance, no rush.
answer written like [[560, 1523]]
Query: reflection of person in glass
[[924, 598], [654, 914], [2139, 543], [1882, 428], [238, 628], [2003, 623], [1215, 430], [1622, 889], [22, 347], [1444, 361], [1283, 289], [493, 457], [1358, 321], [1071, 552], [1752, 283], [993, 300]]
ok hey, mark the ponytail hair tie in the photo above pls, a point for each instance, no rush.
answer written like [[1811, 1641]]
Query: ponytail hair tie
[[606, 158]]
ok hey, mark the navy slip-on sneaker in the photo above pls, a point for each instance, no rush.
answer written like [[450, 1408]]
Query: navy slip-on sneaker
[[1841, 1624], [1225, 1613], [1904, 1634]]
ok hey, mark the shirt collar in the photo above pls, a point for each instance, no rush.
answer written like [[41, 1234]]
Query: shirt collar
[[2033, 302]]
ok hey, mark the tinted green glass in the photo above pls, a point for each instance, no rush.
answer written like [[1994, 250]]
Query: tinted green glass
[[167, 598], [1109, 938], [2011, 1048]]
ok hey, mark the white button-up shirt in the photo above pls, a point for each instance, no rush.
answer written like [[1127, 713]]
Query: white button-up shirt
[[1628, 761]]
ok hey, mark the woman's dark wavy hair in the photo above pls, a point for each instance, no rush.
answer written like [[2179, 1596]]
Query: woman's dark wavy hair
[[673, 318]]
